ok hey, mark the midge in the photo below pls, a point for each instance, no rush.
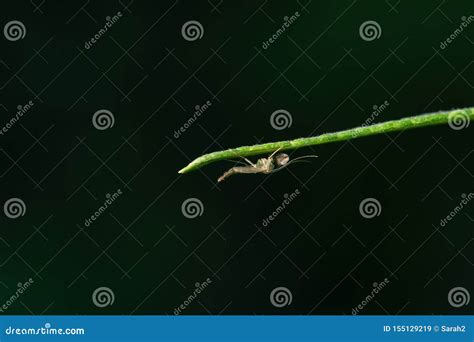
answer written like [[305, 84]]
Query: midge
[[273, 163]]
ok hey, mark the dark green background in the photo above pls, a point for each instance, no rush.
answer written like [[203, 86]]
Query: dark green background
[[418, 176]]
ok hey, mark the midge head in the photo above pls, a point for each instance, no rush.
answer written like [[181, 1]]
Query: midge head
[[281, 159]]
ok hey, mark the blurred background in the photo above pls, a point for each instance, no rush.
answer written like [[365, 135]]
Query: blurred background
[[116, 96]]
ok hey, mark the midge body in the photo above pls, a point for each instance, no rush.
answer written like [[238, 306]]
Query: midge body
[[268, 165]]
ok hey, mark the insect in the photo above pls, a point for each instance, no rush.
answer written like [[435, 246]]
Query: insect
[[275, 162]]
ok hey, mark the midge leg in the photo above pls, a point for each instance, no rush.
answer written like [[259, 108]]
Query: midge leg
[[271, 155], [249, 162], [239, 169]]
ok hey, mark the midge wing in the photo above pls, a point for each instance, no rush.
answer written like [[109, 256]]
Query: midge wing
[[296, 160]]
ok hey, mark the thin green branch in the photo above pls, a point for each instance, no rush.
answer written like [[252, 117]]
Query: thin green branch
[[457, 119]]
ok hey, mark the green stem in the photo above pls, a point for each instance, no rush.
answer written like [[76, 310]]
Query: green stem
[[456, 118]]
